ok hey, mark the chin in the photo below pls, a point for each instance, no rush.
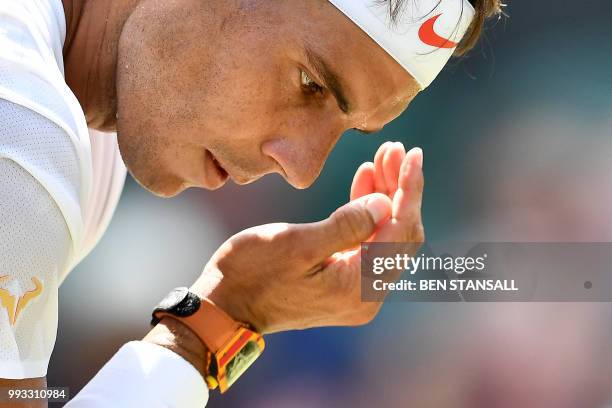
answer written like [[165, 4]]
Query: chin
[[165, 188], [168, 193]]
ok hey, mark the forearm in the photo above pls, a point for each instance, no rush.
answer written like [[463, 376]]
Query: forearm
[[165, 369], [23, 384], [176, 337]]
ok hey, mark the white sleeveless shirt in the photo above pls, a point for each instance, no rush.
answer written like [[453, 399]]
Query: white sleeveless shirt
[[51, 166]]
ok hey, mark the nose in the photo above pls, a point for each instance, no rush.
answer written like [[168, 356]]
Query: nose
[[301, 158]]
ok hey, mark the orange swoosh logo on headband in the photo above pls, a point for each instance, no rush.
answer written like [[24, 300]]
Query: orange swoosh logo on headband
[[428, 35]]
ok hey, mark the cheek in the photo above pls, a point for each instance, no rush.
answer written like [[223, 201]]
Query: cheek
[[247, 107], [155, 80], [244, 93]]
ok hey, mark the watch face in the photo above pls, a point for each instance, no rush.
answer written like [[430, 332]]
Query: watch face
[[237, 356], [180, 302], [173, 298], [243, 360]]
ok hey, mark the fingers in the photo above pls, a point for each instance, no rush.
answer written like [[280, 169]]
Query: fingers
[[381, 176], [380, 184], [387, 162], [391, 163], [348, 226], [363, 182], [406, 224], [407, 201]]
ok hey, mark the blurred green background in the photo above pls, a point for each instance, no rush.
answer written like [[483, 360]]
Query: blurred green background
[[517, 148]]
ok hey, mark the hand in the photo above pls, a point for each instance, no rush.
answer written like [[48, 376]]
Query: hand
[[381, 176], [294, 276]]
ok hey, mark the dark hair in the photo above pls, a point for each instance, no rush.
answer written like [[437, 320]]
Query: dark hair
[[484, 9]]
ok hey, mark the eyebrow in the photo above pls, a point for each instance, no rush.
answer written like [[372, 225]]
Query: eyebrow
[[330, 79]]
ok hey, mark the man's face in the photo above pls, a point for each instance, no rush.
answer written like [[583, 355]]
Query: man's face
[[214, 89]]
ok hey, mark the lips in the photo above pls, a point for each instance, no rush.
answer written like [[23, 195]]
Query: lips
[[216, 175]]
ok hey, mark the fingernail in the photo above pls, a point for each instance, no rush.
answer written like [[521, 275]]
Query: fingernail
[[418, 152], [378, 208]]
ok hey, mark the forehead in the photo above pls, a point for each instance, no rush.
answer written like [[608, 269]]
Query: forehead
[[378, 86]]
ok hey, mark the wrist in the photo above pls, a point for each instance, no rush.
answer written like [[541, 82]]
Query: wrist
[[177, 337], [219, 347], [231, 299]]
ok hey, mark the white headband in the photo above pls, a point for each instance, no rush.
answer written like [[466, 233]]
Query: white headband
[[424, 36]]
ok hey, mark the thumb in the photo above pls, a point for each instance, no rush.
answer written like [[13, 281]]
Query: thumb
[[349, 225]]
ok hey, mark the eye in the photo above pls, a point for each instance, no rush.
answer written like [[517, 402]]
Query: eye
[[309, 85]]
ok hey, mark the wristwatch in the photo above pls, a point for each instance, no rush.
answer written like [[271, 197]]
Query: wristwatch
[[232, 346]]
